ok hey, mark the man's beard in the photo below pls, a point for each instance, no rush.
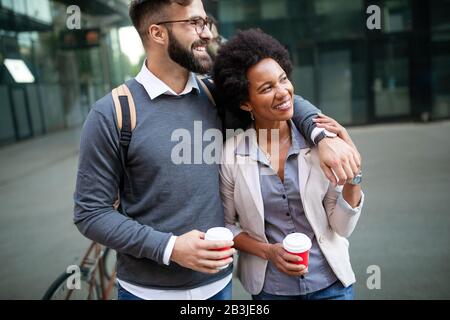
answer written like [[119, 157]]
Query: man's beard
[[186, 58]]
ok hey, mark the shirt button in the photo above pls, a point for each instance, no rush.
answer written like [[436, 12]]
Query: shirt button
[[288, 214], [321, 239], [284, 196]]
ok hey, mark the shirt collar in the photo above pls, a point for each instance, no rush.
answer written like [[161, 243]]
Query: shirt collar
[[248, 146], [156, 87], [298, 141]]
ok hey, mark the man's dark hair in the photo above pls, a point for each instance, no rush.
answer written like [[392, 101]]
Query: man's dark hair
[[144, 13], [235, 58]]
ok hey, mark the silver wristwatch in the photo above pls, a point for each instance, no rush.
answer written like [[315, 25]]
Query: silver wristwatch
[[356, 180], [324, 134]]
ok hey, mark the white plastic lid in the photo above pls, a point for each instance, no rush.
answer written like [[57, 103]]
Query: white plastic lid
[[297, 243], [219, 233]]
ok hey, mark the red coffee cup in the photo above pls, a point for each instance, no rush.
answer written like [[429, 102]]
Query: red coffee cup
[[298, 244], [219, 234]]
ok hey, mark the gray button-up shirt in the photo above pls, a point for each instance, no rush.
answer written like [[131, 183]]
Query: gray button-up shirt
[[283, 214]]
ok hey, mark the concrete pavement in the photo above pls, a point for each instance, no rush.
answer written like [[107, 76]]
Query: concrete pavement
[[404, 229]]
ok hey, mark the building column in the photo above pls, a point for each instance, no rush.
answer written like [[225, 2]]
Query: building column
[[420, 61]]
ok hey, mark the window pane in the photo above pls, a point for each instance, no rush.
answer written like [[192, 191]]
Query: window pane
[[336, 84], [391, 84], [20, 111], [397, 16], [274, 9], [6, 119], [39, 10]]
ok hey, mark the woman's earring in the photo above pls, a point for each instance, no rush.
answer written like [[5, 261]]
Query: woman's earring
[[251, 116]]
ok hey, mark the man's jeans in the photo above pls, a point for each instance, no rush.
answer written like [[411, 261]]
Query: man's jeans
[[224, 294], [334, 292]]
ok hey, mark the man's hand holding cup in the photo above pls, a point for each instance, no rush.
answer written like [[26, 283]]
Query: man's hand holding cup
[[195, 250]]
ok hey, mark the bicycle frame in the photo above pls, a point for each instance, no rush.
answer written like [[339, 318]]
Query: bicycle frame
[[92, 263]]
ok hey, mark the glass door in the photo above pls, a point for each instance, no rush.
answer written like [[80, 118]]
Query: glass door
[[341, 82], [391, 77], [335, 93], [21, 112]]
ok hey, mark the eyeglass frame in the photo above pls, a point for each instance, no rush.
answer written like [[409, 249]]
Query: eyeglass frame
[[206, 22]]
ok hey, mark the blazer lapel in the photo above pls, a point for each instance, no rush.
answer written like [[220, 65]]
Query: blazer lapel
[[248, 166], [304, 169], [250, 174]]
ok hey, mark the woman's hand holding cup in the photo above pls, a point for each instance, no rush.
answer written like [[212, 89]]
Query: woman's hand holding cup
[[286, 262]]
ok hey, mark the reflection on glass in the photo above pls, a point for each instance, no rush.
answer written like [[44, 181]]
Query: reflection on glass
[[336, 84], [439, 16], [7, 4], [52, 107], [337, 19], [391, 83], [441, 85], [440, 60], [40, 10], [35, 112], [6, 118], [20, 111], [303, 73], [397, 16], [233, 11], [274, 9]]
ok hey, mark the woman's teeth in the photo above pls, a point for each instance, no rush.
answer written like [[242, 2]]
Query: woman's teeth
[[283, 106]]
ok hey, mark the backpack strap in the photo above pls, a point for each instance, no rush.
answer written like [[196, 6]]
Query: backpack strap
[[126, 116], [208, 86], [125, 108], [126, 121]]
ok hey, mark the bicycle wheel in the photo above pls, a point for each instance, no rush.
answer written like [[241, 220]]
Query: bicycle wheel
[[59, 290]]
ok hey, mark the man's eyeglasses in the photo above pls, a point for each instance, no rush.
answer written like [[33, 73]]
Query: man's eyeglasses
[[199, 23]]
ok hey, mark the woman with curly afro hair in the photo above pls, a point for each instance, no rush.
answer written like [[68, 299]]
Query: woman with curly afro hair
[[278, 202]]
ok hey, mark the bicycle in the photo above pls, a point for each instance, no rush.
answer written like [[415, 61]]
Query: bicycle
[[96, 282]]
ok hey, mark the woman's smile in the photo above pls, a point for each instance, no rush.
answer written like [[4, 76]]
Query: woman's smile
[[286, 105]]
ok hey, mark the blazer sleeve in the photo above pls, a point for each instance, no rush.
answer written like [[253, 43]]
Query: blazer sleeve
[[341, 216], [227, 194]]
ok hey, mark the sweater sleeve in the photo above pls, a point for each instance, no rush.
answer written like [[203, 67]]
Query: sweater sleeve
[[304, 113], [98, 178]]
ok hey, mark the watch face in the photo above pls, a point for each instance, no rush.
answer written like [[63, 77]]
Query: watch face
[[329, 134], [356, 180]]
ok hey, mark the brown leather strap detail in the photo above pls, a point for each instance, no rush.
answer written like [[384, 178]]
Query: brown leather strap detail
[[123, 90], [208, 93], [115, 95]]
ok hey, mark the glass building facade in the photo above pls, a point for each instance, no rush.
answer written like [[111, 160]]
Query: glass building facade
[[68, 77], [356, 75]]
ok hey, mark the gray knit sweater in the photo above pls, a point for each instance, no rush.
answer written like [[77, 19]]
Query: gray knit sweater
[[168, 198]]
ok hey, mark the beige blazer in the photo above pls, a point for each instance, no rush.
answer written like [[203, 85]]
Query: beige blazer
[[331, 220]]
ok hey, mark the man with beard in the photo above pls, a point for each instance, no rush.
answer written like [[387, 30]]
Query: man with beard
[[165, 208]]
